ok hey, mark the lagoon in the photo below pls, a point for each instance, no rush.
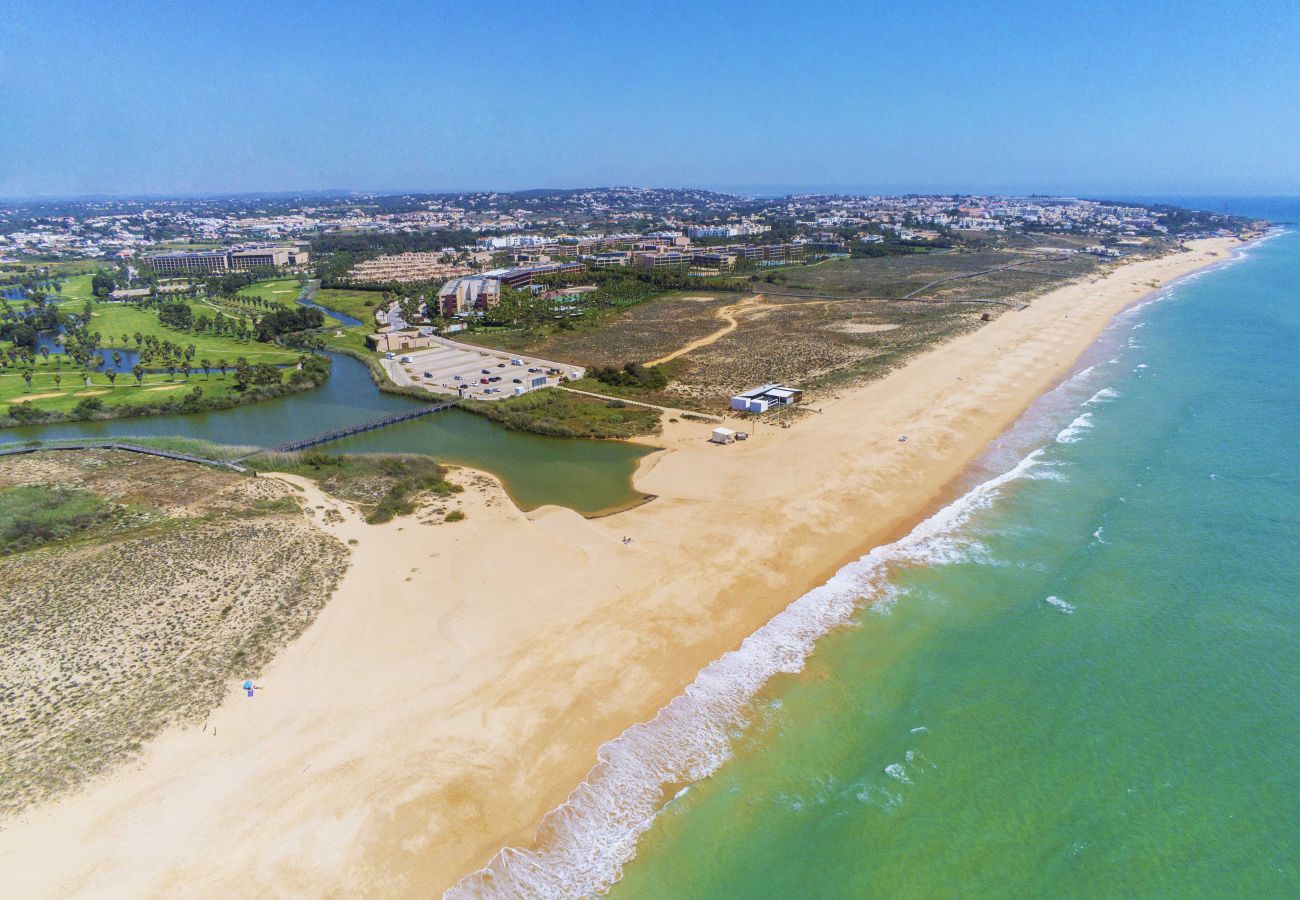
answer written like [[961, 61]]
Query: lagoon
[[592, 477]]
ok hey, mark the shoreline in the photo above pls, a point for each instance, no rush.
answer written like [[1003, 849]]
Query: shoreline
[[421, 725]]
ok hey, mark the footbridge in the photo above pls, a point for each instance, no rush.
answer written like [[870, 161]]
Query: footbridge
[[336, 433]]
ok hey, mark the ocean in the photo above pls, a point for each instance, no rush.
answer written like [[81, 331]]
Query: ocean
[[1080, 679]]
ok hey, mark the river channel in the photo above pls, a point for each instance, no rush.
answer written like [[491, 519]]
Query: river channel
[[591, 477]]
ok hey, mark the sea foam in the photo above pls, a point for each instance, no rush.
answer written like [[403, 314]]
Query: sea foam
[[1063, 605], [583, 844]]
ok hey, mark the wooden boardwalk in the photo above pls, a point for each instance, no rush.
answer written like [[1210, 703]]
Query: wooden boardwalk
[[336, 433], [130, 448]]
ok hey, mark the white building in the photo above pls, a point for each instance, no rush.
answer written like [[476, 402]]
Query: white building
[[761, 399]]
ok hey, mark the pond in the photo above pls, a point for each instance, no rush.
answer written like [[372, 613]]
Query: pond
[[128, 358], [591, 477]]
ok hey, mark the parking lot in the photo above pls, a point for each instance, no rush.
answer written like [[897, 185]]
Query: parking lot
[[454, 368]]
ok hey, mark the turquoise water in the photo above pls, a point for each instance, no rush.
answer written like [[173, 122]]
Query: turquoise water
[[1079, 680]]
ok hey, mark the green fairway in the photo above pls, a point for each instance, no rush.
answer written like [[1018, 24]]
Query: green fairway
[[58, 384], [281, 290], [113, 320], [63, 395]]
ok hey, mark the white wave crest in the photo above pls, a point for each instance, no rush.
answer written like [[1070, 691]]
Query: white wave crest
[[1072, 432], [1063, 605], [584, 843], [1102, 396]]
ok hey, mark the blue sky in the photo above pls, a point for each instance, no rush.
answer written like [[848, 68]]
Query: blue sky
[[760, 97]]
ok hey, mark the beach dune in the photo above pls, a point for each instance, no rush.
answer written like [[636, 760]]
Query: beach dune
[[458, 685]]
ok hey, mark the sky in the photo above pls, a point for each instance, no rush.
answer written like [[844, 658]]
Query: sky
[[1098, 98]]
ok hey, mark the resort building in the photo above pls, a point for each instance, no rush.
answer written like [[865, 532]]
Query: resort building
[[246, 257], [659, 259], [196, 262], [468, 294], [610, 259], [761, 399], [406, 267]]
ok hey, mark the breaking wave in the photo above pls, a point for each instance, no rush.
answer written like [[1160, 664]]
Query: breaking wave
[[1071, 432], [584, 843]]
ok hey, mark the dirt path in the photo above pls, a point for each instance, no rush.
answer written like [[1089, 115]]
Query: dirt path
[[728, 315]]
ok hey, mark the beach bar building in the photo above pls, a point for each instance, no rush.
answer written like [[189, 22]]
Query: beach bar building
[[761, 399]]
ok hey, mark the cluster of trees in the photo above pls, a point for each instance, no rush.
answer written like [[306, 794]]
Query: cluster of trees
[[102, 283], [632, 374], [520, 308], [285, 320], [259, 382], [24, 328]]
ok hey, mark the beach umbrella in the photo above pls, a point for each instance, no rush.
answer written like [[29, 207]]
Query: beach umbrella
[[248, 685]]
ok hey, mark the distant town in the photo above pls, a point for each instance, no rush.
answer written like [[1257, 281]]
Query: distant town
[[449, 293]]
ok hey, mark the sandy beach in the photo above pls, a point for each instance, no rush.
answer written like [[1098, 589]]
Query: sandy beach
[[459, 683]]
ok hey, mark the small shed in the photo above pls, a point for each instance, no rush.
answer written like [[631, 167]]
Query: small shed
[[722, 436]]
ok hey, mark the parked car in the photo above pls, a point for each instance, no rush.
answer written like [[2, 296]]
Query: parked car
[[457, 378], [482, 381], [501, 365], [517, 380], [486, 371], [495, 378]]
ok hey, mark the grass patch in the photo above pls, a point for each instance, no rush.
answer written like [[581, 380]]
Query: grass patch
[[358, 304], [36, 514], [563, 414], [387, 485]]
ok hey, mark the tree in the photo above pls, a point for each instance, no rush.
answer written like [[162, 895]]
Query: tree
[[102, 284], [265, 374], [243, 374], [111, 375], [138, 371], [206, 365], [223, 365]]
